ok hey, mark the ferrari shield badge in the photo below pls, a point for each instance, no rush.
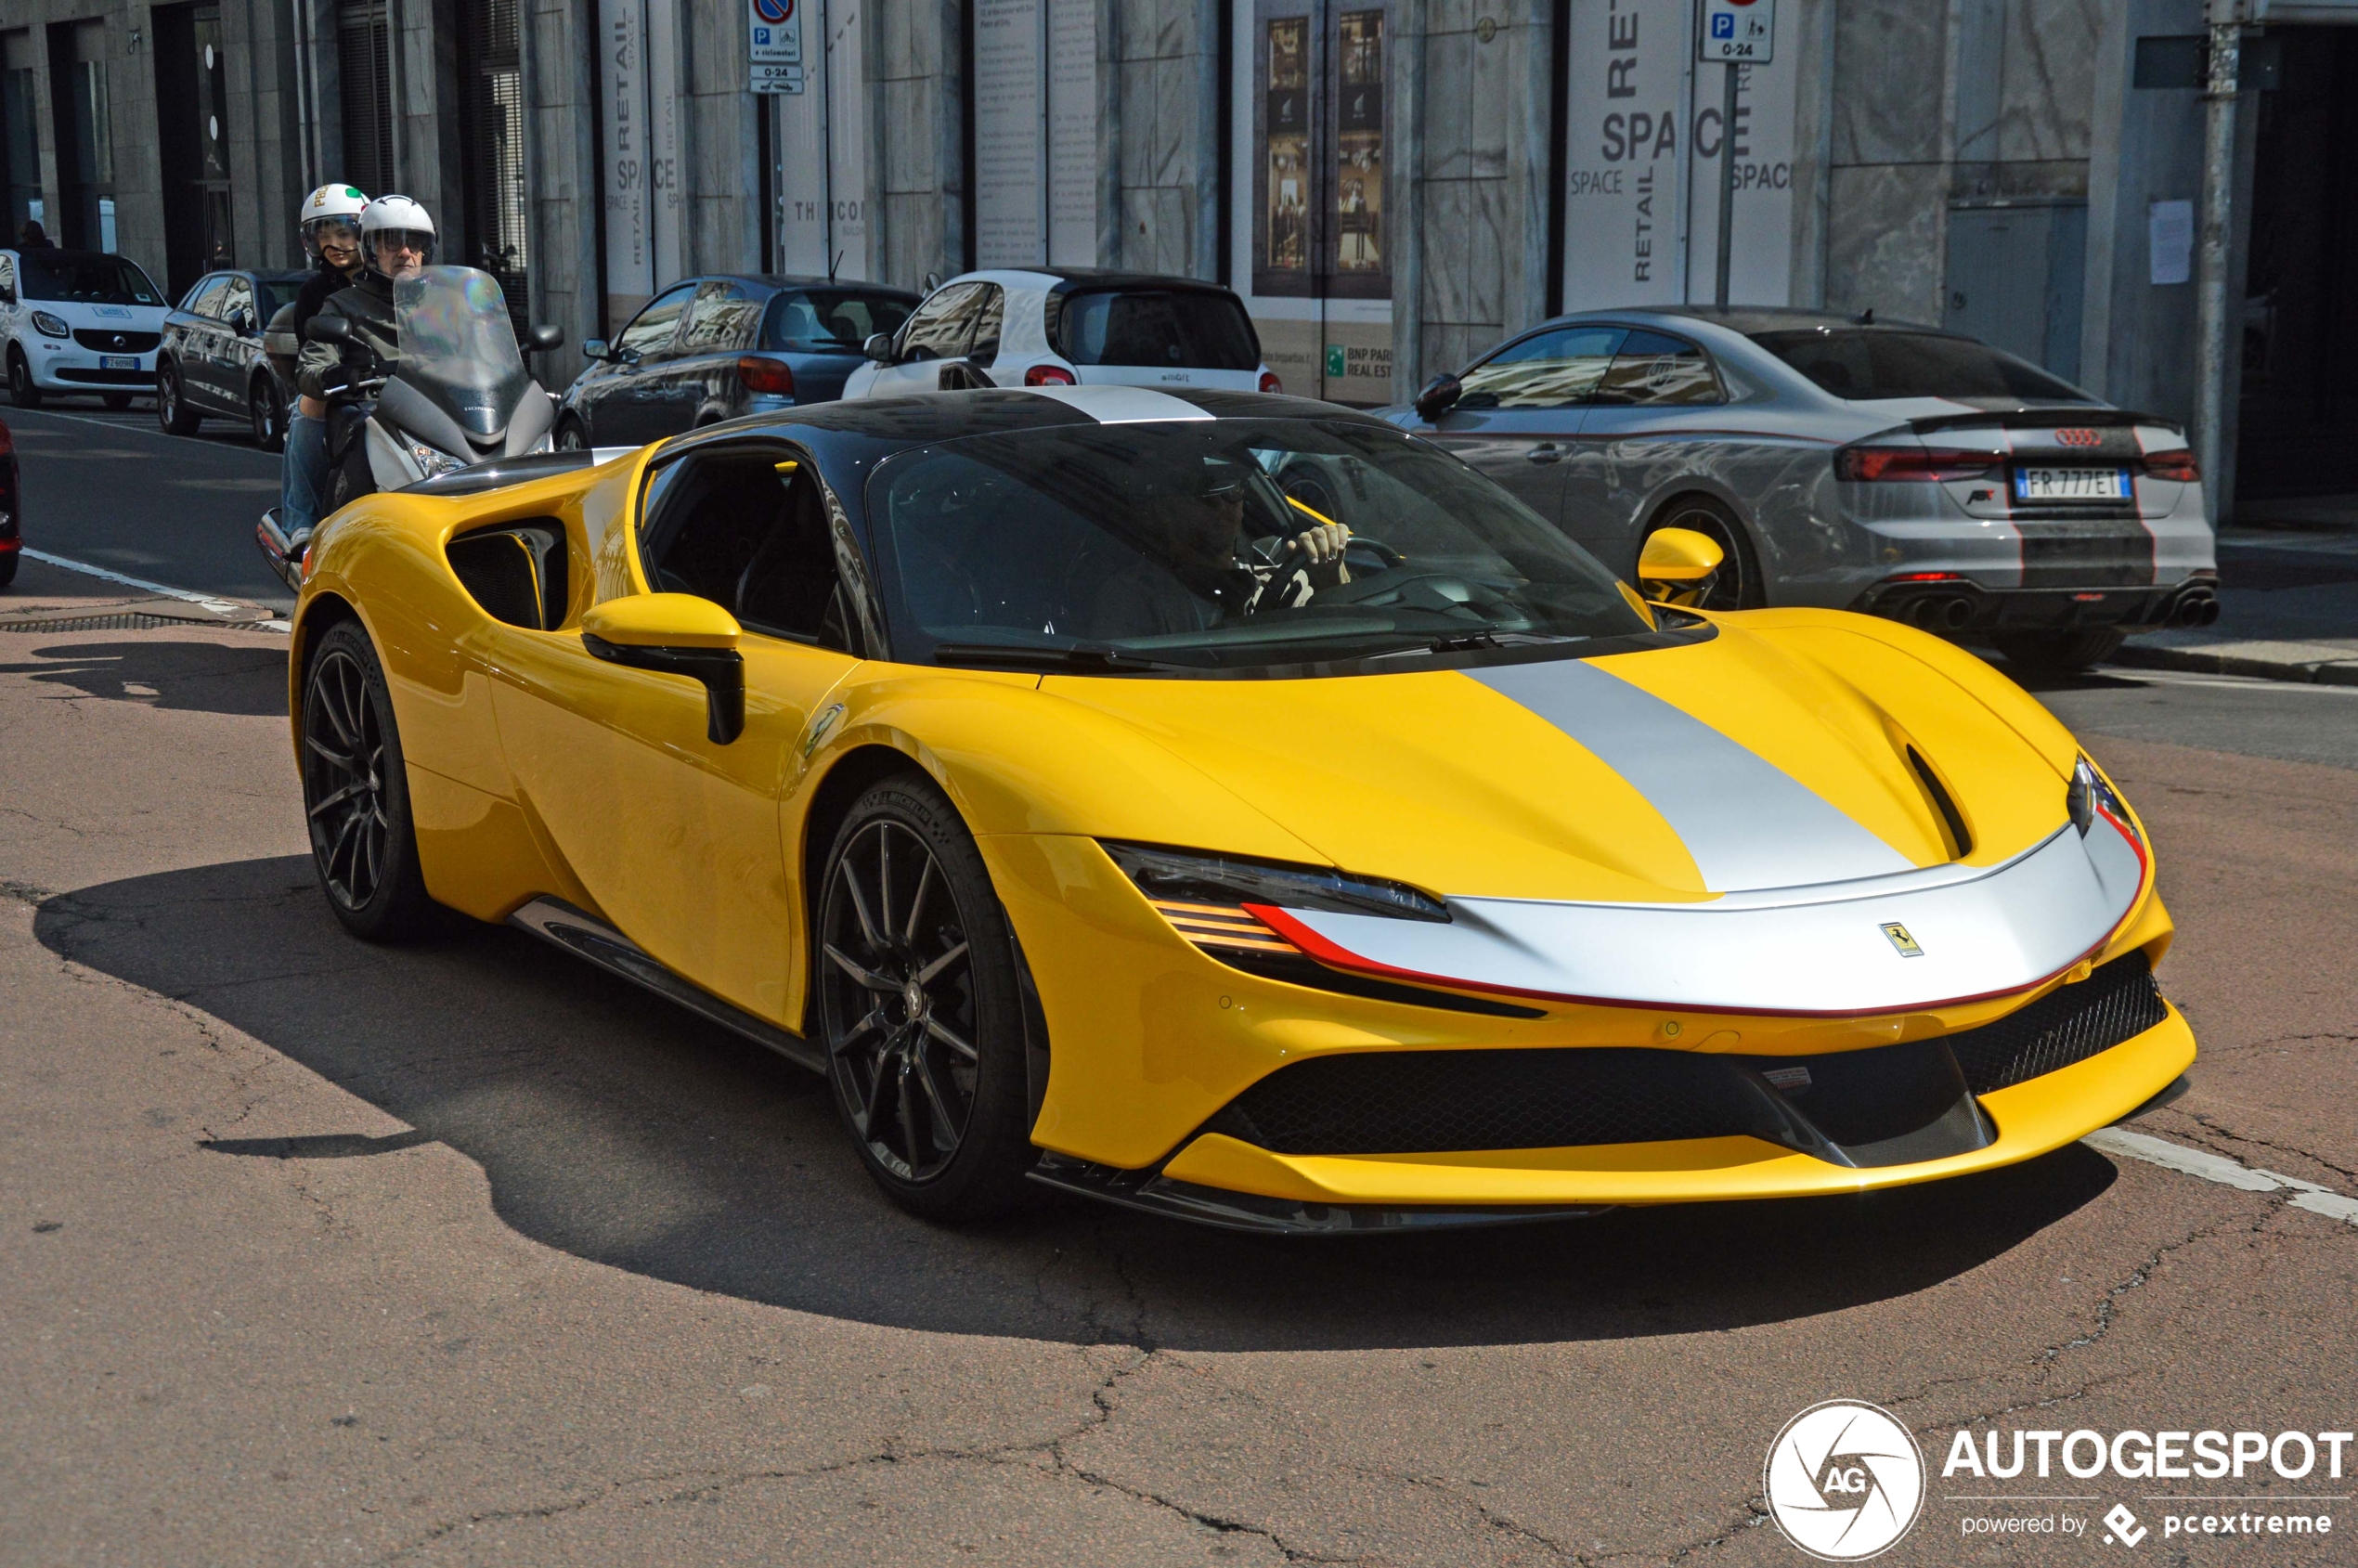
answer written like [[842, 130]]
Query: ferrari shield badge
[[1902, 941]]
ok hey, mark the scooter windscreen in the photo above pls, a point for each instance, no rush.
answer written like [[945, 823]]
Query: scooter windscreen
[[459, 348]]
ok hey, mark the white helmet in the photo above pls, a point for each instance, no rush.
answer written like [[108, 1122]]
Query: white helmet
[[397, 215], [328, 204]]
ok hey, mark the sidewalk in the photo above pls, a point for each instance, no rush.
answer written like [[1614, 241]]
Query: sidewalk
[[2289, 609]]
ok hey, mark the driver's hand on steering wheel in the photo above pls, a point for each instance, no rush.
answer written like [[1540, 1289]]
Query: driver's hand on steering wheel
[[1323, 543]]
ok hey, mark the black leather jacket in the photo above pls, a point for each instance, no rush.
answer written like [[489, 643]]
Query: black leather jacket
[[375, 349]]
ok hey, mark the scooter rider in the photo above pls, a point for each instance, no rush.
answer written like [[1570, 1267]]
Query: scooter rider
[[329, 221], [396, 239]]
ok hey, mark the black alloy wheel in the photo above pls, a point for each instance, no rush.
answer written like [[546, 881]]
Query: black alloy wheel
[[919, 1006], [21, 392], [1738, 586], [118, 401], [363, 843], [171, 410], [267, 414]]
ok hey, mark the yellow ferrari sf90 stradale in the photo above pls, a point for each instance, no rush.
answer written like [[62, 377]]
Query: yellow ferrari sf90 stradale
[[1231, 807]]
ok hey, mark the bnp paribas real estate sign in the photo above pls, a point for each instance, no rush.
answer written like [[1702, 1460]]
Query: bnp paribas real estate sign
[[1641, 181]]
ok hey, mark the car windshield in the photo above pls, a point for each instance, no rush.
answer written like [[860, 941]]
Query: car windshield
[[825, 320], [1867, 362], [86, 277], [1182, 543], [1194, 328]]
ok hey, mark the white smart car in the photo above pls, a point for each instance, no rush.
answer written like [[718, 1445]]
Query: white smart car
[[78, 322], [1067, 327]]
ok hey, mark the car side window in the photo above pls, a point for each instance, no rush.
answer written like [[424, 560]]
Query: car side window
[[748, 529], [722, 320], [205, 299], [651, 331], [1652, 370], [941, 326], [1561, 367], [237, 296], [988, 318]]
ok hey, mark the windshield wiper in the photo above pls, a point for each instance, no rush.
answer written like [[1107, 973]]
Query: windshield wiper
[[1020, 655], [1472, 641]]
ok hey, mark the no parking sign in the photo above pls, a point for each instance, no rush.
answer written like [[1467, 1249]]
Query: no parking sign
[[777, 45], [1738, 31]]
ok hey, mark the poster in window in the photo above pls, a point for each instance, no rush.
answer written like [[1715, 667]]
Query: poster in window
[[1282, 263], [1358, 178]]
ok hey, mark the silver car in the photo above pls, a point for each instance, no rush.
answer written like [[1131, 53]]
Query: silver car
[[1840, 462]]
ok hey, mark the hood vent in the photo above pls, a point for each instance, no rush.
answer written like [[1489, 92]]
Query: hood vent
[[1952, 820]]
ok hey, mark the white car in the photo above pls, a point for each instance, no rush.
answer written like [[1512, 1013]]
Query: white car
[[1067, 327], [79, 321]]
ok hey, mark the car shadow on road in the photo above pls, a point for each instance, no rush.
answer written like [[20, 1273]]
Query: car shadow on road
[[615, 1127], [243, 681]]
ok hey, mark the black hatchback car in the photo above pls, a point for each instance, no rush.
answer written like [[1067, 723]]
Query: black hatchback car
[[712, 348], [212, 363]]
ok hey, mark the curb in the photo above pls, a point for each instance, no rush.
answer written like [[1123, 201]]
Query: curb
[[2319, 672]]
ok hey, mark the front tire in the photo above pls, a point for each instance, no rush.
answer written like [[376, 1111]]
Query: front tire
[[21, 392], [172, 408], [2058, 652], [1738, 586], [355, 791], [920, 1008], [268, 415]]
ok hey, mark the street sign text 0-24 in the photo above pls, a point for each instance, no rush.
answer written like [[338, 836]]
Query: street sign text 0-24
[[1738, 31]]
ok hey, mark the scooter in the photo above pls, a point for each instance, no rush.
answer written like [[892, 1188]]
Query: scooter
[[459, 398]]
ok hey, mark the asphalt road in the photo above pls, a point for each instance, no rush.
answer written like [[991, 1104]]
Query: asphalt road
[[113, 490], [317, 1252]]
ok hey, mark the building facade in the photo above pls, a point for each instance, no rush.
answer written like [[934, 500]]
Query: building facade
[[1391, 185]]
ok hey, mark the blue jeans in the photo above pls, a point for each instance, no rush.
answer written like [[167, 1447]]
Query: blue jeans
[[303, 476]]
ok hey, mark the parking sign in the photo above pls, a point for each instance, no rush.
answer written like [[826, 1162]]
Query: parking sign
[[777, 45], [1738, 31]]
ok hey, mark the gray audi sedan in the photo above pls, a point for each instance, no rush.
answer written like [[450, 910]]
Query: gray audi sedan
[[1847, 464]]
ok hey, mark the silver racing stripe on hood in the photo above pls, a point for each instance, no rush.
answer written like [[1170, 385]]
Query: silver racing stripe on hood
[[1748, 822], [1121, 405]]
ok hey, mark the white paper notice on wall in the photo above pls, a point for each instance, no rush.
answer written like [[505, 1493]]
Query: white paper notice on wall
[[2169, 235]]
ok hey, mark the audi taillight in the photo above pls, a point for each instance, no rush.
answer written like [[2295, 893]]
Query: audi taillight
[[771, 376], [1269, 381], [1857, 464], [2178, 463], [1049, 375]]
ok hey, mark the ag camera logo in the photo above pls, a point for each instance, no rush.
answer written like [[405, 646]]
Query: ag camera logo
[[1844, 1480]]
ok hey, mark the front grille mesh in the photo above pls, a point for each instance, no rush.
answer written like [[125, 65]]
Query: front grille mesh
[[1407, 1102], [2069, 1024], [1429, 1102]]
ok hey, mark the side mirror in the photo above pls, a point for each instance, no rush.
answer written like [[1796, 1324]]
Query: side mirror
[[7, 294], [324, 328], [1439, 396], [543, 336], [243, 323], [1677, 566], [595, 348], [676, 634], [878, 347]]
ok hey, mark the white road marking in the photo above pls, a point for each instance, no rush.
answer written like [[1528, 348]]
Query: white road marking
[[2218, 1168], [142, 428], [218, 605], [2233, 684]]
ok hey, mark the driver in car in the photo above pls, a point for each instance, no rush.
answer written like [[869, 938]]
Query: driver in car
[[1200, 564]]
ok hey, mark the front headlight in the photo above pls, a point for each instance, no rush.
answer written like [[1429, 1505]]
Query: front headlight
[[2091, 796], [1205, 895], [433, 462], [53, 326]]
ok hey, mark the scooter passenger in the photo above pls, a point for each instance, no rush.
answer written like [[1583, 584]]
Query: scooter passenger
[[396, 241], [330, 226]]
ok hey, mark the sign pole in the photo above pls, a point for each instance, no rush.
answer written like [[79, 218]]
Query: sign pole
[[1736, 33], [1727, 184]]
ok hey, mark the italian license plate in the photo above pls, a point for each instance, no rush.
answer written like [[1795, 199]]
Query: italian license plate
[[118, 361], [2071, 484]]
